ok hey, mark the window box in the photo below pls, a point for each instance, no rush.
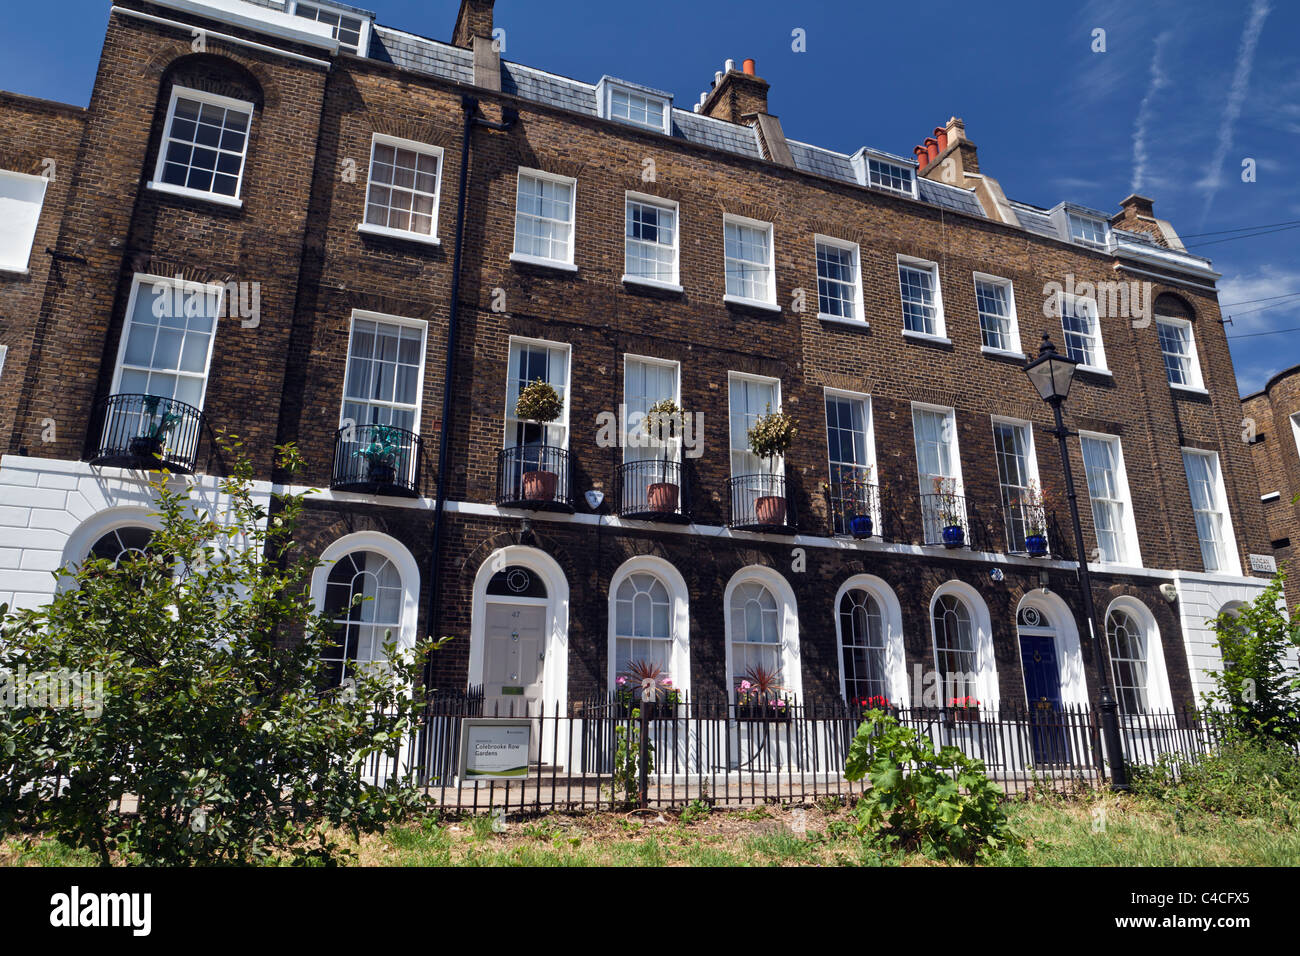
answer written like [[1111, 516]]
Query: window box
[[962, 714]]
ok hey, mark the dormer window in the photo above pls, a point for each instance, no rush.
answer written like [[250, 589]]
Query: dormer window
[[1087, 231], [349, 29], [634, 105], [882, 171]]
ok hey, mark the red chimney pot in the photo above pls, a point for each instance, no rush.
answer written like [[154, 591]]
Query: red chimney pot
[[932, 147], [941, 134], [748, 67], [921, 156]]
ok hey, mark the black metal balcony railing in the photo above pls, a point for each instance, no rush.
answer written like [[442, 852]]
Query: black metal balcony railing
[[940, 515], [849, 500], [654, 489], [1026, 528], [534, 476], [148, 431], [377, 460], [760, 503]]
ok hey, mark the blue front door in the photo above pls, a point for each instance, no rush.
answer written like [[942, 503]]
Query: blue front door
[[1043, 693]]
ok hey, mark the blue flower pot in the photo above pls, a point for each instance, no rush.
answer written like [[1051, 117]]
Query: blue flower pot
[[860, 526], [954, 536], [1036, 545]]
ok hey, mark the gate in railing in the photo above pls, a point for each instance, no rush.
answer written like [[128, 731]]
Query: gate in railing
[[724, 754]]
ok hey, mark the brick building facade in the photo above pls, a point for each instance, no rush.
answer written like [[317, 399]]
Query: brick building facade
[[310, 163], [1275, 413]]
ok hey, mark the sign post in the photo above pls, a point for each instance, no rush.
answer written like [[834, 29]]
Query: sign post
[[495, 748]]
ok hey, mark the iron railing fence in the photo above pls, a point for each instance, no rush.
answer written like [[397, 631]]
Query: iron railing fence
[[149, 432], [377, 460], [534, 476], [760, 503], [726, 754], [653, 488], [940, 514], [856, 499]]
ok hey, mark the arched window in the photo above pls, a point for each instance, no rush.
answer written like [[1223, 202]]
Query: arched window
[[120, 542], [755, 630], [1129, 649], [642, 623], [518, 582], [862, 636], [955, 649], [364, 626]]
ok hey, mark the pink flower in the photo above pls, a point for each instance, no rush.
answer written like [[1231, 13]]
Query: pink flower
[[667, 682], [621, 681]]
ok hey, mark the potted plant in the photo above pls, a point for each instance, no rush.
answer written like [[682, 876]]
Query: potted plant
[[951, 516], [629, 690], [770, 437], [759, 696], [1035, 521], [539, 402], [148, 445], [853, 493], [964, 709], [664, 419], [380, 454]]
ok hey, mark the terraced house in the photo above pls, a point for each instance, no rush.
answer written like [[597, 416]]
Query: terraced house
[[284, 220]]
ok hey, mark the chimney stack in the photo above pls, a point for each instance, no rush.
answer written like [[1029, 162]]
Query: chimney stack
[[949, 157], [473, 20], [1137, 214], [740, 96]]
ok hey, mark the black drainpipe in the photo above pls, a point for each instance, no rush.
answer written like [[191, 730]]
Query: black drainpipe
[[470, 105]]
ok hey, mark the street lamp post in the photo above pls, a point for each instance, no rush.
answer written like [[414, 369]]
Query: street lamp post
[[1052, 374]]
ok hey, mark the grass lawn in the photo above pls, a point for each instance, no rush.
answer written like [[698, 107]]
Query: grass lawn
[[1099, 831]]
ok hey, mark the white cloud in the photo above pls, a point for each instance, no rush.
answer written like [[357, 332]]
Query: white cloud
[[1159, 80], [1260, 309]]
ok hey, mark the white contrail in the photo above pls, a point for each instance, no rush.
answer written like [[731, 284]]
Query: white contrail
[[1259, 10], [1159, 80]]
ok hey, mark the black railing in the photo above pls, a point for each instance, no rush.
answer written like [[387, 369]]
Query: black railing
[[377, 460], [148, 431], [727, 754], [654, 489], [848, 501], [760, 503], [1026, 528], [534, 476], [942, 515]]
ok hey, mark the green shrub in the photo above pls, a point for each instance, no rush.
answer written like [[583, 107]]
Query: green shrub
[[627, 754], [942, 804], [1247, 776], [694, 811]]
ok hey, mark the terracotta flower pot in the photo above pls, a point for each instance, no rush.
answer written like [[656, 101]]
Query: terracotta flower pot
[[663, 497], [539, 485], [770, 510]]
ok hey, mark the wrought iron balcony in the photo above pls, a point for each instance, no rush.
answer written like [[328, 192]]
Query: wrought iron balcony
[[534, 476], [1026, 528], [377, 460], [854, 508], [760, 503], [653, 490], [148, 431], [944, 521]]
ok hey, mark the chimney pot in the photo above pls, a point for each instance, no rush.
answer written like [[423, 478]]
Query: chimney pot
[[717, 77], [749, 67], [922, 157], [931, 147], [941, 134]]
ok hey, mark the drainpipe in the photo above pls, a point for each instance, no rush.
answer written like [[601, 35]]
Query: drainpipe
[[470, 106]]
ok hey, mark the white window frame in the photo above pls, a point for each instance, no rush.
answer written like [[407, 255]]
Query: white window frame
[[986, 665], [891, 619], [910, 176], [383, 317], [869, 443], [1031, 456], [1295, 431], [141, 279], [567, 263], [628, 426], [925, 482], [609, 86], [1073, 217], [1158, 695], [15, 225], [1230, 559], [679, 618], [563, 421], [859, 316], [213, 99], [778, 464], [1013, 324], [769, 302], [363, 43], [646, 199], [1062, 298], [381, 139], [1195, 382], [940, 333], [1132, 546], [787, 623]]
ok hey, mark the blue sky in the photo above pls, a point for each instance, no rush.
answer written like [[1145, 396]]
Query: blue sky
[[1183, 93]]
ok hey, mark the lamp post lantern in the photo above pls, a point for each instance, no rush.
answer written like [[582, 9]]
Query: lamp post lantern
[[1052, 374]]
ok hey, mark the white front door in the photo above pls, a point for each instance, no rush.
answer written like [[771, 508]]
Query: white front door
[[514, 651]]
